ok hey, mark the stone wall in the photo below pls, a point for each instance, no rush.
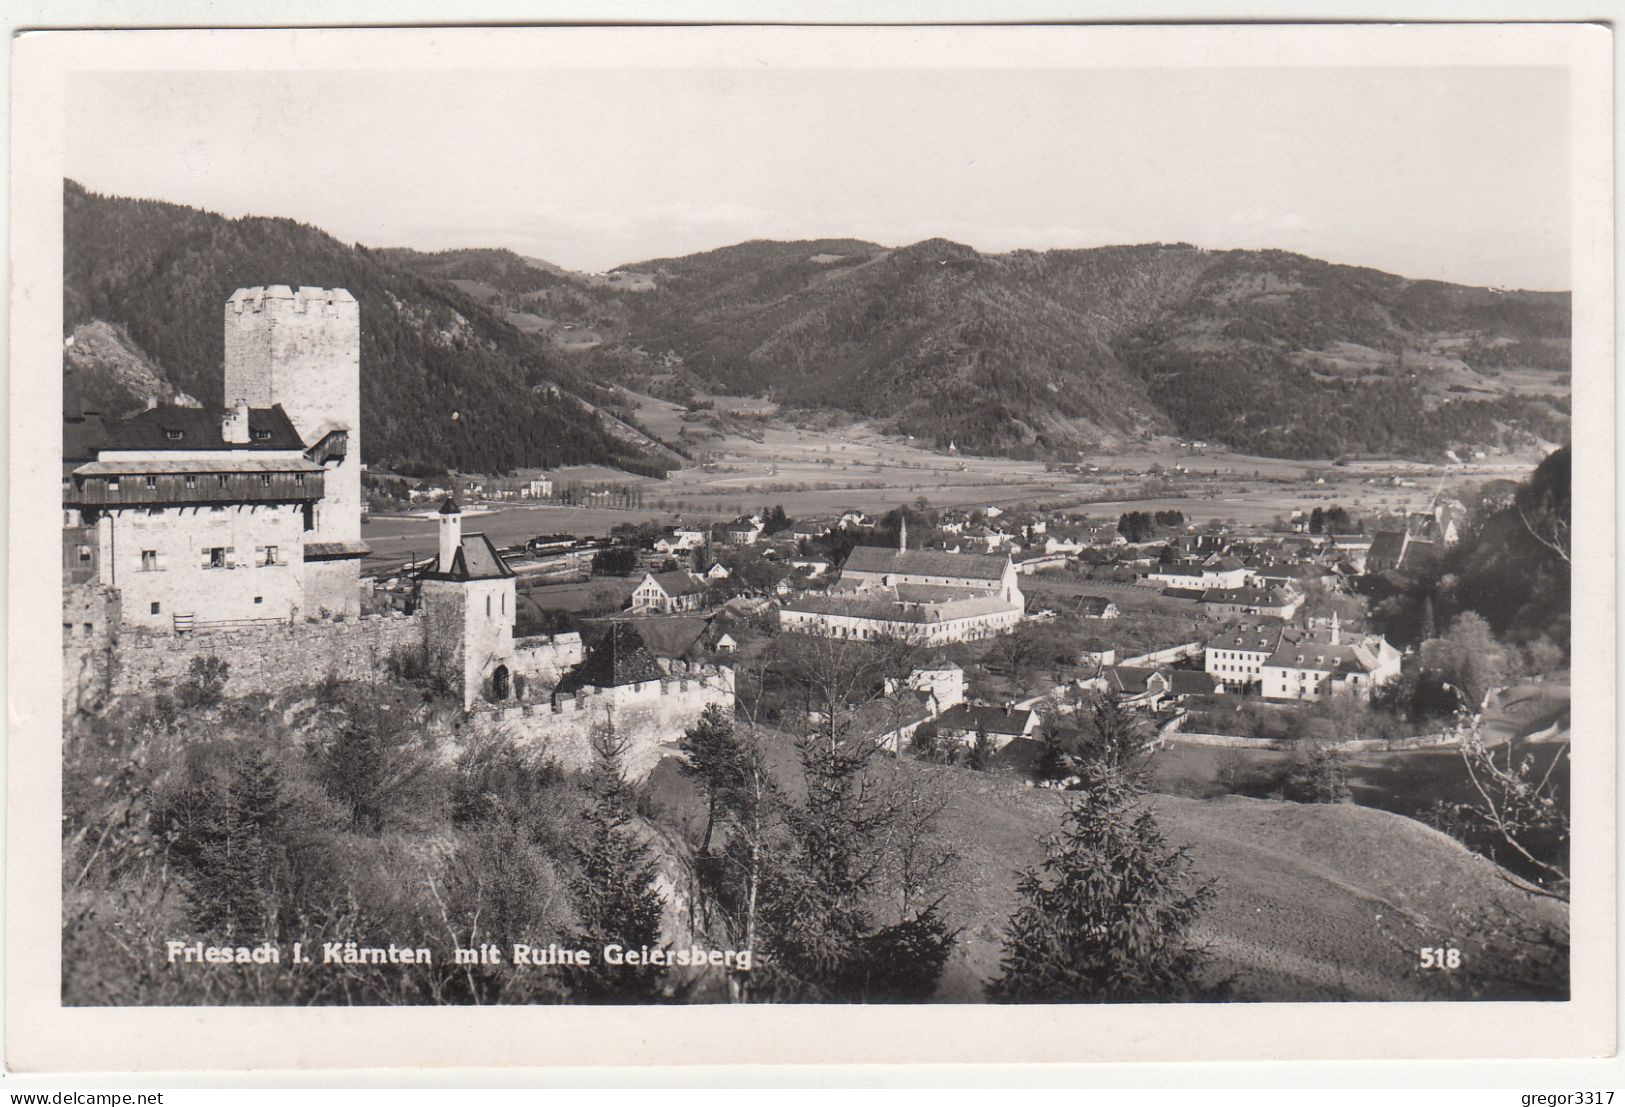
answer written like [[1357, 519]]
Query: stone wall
[[261, 659], [1354, 745], [1163, 657], [651, 717], [89, 628]]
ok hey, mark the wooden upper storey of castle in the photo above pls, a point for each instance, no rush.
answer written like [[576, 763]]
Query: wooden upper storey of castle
[[179, 455]]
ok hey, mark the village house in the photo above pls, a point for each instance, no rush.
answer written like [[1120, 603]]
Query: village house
[[811, 566], [1146, 688], [1216, 572], [668, 593], [742, 532], [679, 540], [1352, 548], [1002, 725], [1238, 653], [1273, 603], [685, 638], [1097, 607], [1398, 549], [1322, 663]]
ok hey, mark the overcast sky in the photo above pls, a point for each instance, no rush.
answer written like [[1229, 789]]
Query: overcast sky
[[1459, 174]]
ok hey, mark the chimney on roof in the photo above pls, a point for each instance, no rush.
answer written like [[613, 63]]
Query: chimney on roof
[[152, 402], [234, 427]]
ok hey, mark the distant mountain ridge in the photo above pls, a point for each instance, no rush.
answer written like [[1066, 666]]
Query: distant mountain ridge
[[1262, 350], [1024, 353]]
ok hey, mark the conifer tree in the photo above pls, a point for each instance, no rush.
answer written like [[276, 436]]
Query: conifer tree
[[1107, 916], [613, 888], [1430, 627], [713, 758], [226, 846]]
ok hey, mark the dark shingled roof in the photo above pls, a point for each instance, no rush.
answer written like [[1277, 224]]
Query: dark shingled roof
[[926, 563], [673, 636], [619, 657], [197, 429], [476, 559], [678, 583], [991, 719], [448, 506], [1387, 545]]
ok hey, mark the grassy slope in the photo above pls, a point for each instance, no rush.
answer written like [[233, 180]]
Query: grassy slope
[[1314, 902]]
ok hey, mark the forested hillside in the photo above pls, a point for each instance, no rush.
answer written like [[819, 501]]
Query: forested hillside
[[1262, 350], [161, 273]]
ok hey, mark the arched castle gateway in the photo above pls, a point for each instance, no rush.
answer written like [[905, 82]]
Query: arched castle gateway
[[238, 534]]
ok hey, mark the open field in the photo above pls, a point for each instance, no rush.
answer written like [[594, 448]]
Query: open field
[[1405, 783], [822, 469], [818, 472]]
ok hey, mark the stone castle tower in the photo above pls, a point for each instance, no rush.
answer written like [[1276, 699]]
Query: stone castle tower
[[302, 349], [469, 598]]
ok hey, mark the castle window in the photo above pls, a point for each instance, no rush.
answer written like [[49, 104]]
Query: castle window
[[268, 555], [149, 561], [299, 478], [112, 484], [262, 435], [265, 480], [191, 481], [173, 435], [157, 608], [214, 557], [259, 599], [84, 555], [152, 482], [221, 480]]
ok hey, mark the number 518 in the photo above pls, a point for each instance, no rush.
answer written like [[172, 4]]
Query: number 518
[[1439, 957]]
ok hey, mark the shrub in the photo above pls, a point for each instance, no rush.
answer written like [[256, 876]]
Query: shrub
[[205, 682]]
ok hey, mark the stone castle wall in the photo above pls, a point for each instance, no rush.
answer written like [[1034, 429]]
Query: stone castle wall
[[89, 629], [261, 659], [650, 717]]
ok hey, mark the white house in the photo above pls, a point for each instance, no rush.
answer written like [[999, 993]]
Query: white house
[[668, 593], [1324, 664]]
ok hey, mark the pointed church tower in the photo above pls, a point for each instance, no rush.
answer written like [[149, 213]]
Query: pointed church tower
[[451, 535]]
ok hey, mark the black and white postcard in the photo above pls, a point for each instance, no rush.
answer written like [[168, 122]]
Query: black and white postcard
[[811, 544]]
